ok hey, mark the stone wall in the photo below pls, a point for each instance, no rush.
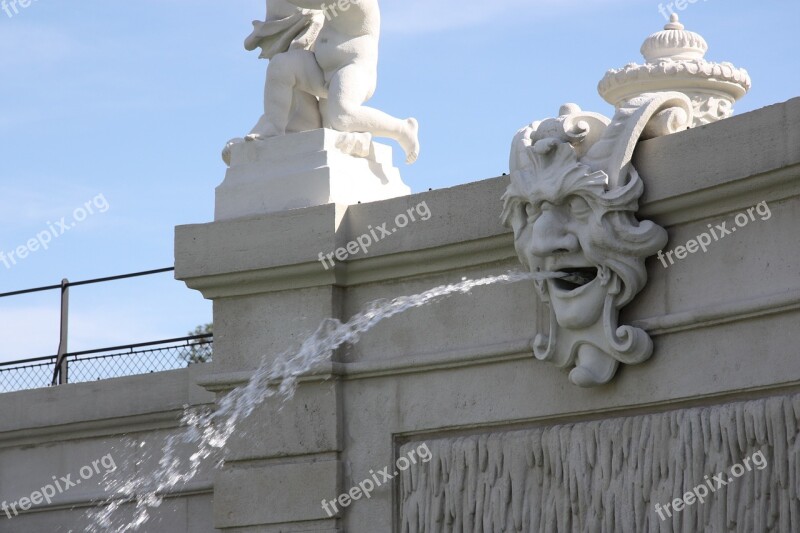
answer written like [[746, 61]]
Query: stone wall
[[723, 323], [459, 374], [54, 432]]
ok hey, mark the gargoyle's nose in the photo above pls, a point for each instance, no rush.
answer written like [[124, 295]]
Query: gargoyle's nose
[[551, 235]]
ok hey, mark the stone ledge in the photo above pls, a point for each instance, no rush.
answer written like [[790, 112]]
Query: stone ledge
[[44, 415], [366, 270]]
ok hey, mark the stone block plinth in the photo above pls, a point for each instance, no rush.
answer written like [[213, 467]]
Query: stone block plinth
[[305, 169]]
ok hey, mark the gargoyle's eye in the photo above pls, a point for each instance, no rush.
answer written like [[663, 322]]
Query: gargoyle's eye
[[579, 207]]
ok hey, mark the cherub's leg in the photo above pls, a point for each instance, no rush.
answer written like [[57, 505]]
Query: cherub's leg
[[352, 86], [323, 109], [305, 114], [287, 72], [278, 96]]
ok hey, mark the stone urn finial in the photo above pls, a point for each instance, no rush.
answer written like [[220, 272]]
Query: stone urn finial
[[675, 43], [675, 61]]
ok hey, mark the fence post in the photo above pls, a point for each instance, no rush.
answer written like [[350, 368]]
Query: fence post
[[61, 371]]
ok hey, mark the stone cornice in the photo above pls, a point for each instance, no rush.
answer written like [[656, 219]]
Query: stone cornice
[[750, 156], [720, 197], [370, 269], [91, 429], [724, 197]]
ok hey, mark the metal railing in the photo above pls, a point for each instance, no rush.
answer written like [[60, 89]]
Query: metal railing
[[107, 363], [102, 363]]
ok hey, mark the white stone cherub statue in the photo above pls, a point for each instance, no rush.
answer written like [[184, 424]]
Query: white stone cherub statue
[[323, 69]]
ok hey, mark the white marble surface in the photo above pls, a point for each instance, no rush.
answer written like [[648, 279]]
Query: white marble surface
[[306, 169], [323, 69], [675, 61]]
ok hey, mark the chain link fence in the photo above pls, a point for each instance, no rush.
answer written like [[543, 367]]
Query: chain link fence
[[108, 363]]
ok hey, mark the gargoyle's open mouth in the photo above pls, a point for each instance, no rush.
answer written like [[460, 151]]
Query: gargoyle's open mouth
[[575, 278]]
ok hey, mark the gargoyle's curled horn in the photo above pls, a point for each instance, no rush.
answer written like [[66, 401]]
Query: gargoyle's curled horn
[[644, 117], [522, 140]]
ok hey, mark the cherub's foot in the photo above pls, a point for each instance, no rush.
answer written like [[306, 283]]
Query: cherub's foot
[[264, 130], [355, 144], [410, 142], [261, 136], [226, 152]]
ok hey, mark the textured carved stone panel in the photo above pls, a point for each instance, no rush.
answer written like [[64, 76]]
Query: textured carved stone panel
[[607, 476]]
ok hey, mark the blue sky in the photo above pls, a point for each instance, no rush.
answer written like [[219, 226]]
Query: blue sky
[[134, 101]]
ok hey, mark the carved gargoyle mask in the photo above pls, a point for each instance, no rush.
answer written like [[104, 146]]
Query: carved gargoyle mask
[[572, 204]]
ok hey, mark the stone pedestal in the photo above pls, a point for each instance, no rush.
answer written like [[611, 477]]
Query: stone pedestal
[[303, 170], [269, 291]]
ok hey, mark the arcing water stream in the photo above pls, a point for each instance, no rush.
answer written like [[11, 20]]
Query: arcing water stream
[[208, 432]]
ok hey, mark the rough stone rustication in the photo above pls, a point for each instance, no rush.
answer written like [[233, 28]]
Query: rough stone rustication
[[608, 475]]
